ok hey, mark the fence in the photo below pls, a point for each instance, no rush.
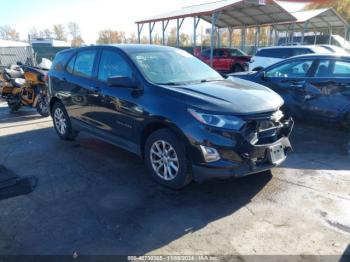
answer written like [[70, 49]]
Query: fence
[[26, 55], [12, 55]]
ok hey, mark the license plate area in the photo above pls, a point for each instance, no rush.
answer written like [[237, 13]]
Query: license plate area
[[276, 154]]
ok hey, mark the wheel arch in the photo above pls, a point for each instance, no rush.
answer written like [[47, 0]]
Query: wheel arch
[[52, 102], [158, 124]]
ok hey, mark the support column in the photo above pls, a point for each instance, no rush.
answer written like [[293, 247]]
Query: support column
[[270, 35], [292, 34], [164, 27], [151, 27], [139, 30], [219, 38], [178, 27], [243, 36], [230, 31], [306, 24], [214, 18], [195, 25], [257, 38], [330, 35]]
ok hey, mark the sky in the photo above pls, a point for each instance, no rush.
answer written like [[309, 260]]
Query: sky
[[93, 15]]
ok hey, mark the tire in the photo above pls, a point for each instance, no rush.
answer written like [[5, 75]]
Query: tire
[[62, 122], [237, 68], [14, 107], [155, 156], [42, 106]]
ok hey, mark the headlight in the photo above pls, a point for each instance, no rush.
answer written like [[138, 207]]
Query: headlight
[[224, 121]]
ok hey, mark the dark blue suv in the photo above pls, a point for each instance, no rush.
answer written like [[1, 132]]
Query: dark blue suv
[[171, 109]]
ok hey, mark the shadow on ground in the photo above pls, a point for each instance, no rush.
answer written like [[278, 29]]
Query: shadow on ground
[[98, 199]]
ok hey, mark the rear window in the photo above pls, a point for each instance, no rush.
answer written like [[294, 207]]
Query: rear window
[[275, 53], [60, 61]]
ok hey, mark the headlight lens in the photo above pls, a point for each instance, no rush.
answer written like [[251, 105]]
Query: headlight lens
[[229, 122]]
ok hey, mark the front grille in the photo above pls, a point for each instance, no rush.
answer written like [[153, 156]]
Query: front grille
[[261, 129]]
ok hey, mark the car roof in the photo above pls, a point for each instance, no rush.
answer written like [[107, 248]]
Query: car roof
[[322, 55], [127, 48], [292, 46]]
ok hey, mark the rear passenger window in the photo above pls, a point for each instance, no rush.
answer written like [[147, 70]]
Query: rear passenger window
[[70, 66], [84, 63], [341, 69], [112, 64]]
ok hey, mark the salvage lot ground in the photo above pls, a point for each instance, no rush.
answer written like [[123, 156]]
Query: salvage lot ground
[[94, 198]]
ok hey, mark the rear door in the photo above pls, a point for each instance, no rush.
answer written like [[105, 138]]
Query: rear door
[[79, 82], [332, 80]]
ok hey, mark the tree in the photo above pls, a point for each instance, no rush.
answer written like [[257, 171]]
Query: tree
[[132, 39], [60, 32], [8, 33], [111, 37], [184, 39], [172, 37], [341, 6], [74, 31]]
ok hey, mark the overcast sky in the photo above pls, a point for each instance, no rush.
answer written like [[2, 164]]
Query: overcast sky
[[91, 15]]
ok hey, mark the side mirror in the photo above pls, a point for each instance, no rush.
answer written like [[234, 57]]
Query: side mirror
[[121, 81]]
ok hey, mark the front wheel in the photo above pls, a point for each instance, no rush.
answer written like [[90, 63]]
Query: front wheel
[[42, 106], [62, 122], [165, 157], [237, 68]]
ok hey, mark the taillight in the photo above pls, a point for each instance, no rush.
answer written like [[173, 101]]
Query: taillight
[[46, 79]]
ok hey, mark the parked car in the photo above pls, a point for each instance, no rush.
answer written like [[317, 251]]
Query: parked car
[[226, 60], [171, 109], [270, 55], [336, 40], [314, 87]]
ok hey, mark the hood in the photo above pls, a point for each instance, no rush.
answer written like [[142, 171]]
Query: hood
[[232, 96]]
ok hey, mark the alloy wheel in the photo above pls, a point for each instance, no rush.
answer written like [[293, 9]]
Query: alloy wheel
[[164, 160], [60, 121]]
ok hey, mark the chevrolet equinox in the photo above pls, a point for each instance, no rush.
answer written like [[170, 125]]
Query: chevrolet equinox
[[183, 118]]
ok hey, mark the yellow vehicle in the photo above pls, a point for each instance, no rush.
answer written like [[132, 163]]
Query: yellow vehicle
[[25, 86]]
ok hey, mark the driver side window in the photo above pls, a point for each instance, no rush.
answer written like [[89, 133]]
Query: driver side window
[[112, 64], [295, 69]]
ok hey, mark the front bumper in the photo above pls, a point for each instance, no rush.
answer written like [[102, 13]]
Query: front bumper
[[243, 153], [256, 161]]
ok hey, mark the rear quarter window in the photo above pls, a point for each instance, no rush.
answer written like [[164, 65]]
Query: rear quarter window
[[60, 60]]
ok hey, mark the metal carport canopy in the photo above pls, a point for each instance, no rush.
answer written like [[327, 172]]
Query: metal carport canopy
[[316, 19], [233, 13]]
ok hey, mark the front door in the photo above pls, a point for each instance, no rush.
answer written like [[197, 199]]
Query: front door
[[116, 110], [289, 80]]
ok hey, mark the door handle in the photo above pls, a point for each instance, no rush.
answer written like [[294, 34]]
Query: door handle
[[63, 79]]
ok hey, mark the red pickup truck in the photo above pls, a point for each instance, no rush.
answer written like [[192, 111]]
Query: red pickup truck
[[225, 60]]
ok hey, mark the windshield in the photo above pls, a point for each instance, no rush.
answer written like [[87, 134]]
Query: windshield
[[172, 67], [237, 52]]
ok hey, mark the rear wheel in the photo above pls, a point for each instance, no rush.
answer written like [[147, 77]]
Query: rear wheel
[[62, 122], [42, 106], [165, 157], [14, 106]]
